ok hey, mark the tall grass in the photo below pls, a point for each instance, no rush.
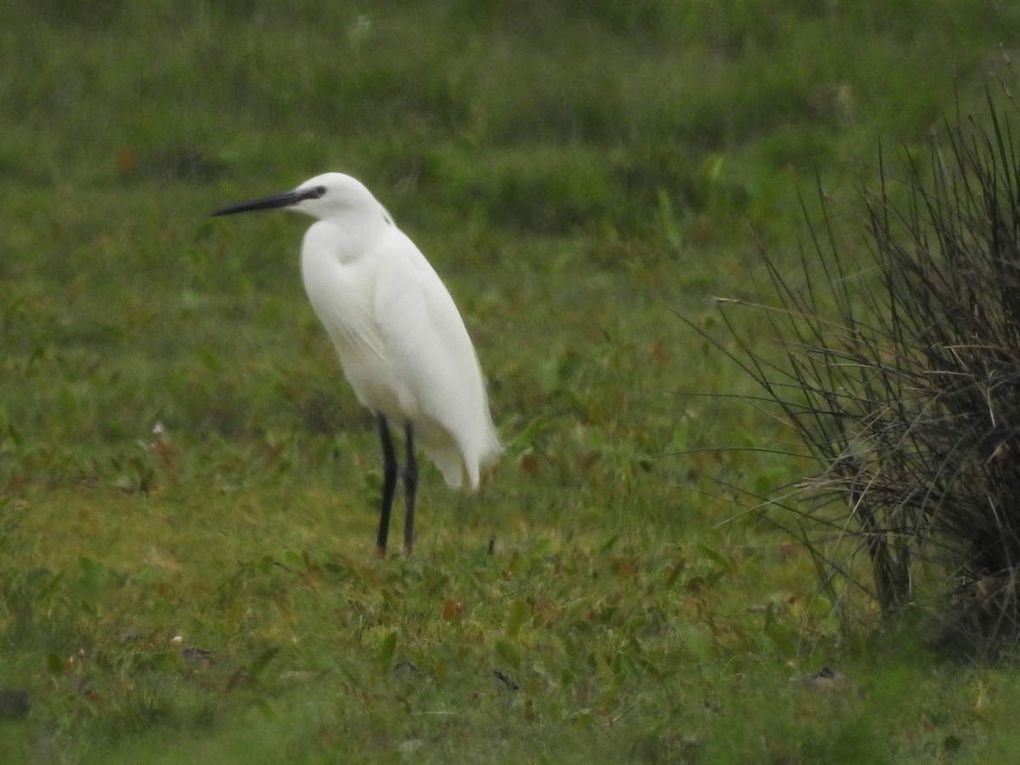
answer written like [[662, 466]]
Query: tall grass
[[902, 379]]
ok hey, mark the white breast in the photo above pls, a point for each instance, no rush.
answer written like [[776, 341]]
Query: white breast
[[341, 288]]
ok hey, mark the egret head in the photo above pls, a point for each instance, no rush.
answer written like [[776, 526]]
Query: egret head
[[330, 195]]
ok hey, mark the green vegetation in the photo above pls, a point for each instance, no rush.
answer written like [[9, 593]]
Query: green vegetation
[[579, 173]]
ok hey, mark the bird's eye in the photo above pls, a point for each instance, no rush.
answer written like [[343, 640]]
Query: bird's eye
[[320, 191]]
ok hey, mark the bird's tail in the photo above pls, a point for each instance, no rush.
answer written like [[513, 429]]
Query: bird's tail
[[458, 462]]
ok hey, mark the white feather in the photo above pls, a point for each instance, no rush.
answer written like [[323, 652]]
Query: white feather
[[401, 341]]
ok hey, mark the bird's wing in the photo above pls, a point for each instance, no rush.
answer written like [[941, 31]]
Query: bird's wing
[[432, 354]]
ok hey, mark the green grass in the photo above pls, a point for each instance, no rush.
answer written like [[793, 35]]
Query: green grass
[[578, 173]]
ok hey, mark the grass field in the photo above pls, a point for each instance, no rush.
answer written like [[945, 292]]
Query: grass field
[[188, 489]]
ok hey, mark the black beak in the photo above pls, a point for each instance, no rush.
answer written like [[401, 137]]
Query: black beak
[[286, 199]]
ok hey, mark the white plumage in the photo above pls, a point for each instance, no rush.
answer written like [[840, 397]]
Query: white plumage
[[401, 341]]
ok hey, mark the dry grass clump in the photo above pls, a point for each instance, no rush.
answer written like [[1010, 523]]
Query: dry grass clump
[[900, 373]]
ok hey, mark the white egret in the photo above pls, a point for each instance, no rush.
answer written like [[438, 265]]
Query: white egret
[[401, 341]]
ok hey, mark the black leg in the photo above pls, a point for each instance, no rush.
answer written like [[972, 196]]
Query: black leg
[[389, 485], [410, 487]]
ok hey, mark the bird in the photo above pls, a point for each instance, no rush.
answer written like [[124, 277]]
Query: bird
[[400, 339]]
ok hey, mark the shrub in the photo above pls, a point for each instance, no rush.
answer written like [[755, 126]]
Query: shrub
[[900, 373]]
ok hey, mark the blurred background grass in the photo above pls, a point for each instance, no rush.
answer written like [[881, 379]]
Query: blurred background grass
[[577, 172]]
